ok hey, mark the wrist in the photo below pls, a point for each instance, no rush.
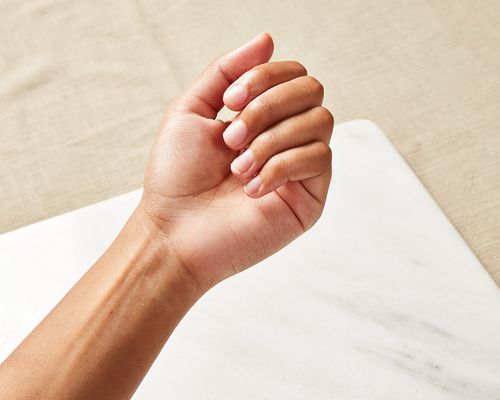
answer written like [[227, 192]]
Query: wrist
[[152, 247]]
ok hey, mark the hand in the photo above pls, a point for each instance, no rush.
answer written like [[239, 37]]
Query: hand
[[228, 195]]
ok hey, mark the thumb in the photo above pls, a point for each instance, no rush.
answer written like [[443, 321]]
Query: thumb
[[204, 97]]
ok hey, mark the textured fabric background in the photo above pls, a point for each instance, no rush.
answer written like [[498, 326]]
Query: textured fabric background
[[83, 86]]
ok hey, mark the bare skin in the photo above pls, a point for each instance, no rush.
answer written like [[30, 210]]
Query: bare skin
[[218, 198]]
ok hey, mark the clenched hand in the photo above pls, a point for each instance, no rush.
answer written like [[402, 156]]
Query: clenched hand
[[229, 194]]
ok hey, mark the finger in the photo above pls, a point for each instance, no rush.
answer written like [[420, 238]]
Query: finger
[[297, 164], [311, 125], [259, 79], [272, 106], [204, 97]]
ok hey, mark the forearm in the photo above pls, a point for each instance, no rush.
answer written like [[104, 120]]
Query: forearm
[[103, 336]]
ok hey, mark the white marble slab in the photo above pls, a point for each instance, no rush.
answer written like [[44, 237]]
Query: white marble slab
[[382, 299]]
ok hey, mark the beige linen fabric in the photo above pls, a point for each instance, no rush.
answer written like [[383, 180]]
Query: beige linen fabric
[[83, 85]]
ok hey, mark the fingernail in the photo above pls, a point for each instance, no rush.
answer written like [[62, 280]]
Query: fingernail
[[236, 94], [243, 162], [253, 186], [235, 134]]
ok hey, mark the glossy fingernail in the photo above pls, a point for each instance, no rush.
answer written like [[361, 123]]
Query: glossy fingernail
[[236, 95], [235, 134], [243, 162], [253, 186]]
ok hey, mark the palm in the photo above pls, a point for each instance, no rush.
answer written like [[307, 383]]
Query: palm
[[223, 230]]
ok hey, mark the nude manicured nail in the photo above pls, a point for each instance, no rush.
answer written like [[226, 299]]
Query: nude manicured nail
[[236, 94], [235, 134], [253, 186], [243, 162]]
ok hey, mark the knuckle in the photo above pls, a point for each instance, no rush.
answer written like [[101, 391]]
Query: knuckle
[[218, 65], [277, 166], [266, 143], [252, 108], [273, 138], [261, 108], [315, 86], [324, 153], [322, 157], [302, 70], [325, 117], [217, 61], [262, 74]]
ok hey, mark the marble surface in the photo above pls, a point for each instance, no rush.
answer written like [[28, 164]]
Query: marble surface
[[382, 299]]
